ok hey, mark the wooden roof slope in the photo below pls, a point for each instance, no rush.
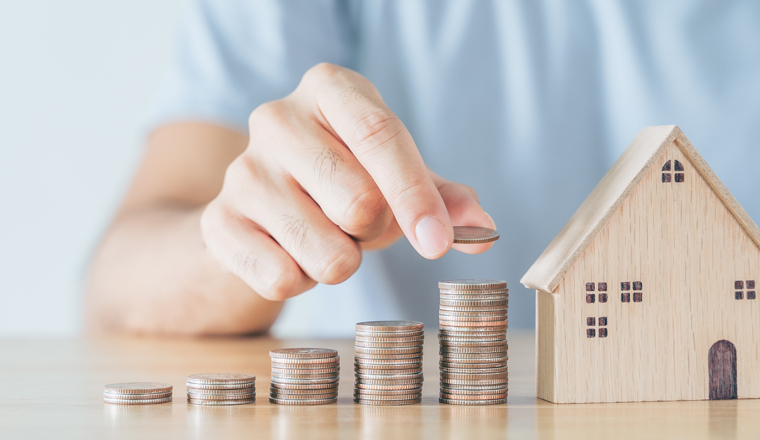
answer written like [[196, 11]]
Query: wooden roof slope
[[547, 272]]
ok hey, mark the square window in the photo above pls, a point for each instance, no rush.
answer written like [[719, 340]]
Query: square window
[[751, 294], [602, 287], [738, 284], [590, 333], [679, 177], [625, 297], [591, 321], [602, 297], [602, 332], [625, 285], [750, 284], [637, 285], [589, 287], [602, 320], [665, 177], [589, 298], [637, 297], [739, 294]]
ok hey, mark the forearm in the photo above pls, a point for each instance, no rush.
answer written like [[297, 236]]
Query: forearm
[[153, 275]]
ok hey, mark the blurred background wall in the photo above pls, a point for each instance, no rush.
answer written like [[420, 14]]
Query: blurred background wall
[[75, 77]]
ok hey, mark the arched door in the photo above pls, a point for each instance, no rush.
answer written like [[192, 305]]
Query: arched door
[[722, 367]]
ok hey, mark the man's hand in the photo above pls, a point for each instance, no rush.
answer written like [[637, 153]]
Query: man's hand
[[329, 171]]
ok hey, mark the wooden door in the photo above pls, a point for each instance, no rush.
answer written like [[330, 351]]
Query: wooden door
[[722, 367]]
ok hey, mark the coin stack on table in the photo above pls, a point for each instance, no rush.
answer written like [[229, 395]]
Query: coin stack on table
[[473, 342], [388, 362], [137, 393], [304, 376], [221, 389]]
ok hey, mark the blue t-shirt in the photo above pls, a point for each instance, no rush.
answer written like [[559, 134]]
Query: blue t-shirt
[[527, 102]]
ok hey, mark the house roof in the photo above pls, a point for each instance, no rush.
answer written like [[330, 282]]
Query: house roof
[[549, 269]]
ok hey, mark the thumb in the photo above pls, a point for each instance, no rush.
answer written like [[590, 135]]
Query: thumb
[[464, 210]]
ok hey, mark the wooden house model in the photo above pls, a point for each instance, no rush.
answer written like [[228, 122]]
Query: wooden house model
[[649, 292]]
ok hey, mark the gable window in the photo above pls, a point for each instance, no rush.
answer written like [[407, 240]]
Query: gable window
[[667, 177], [741, 287]]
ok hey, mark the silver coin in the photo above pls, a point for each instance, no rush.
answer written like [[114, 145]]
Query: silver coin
[[474, 235], [202, 393], [300, 386], [306, 353], [221, 402], [386, 392], [221, 378], [363, 344], [473, 371], [281, 401], [474, 391], [234, 386], [388, 382], [394, 386], [286, 392], [305, 367], [497, 396], [472, 284], [387, 402], [389, 350], [470, 325], [117, 396], [307, 361], [138, 388], [396, 334], [387, 397], [286, 377], [311, 371], [137, 401], [389, 326], [472, 402], [371, 362], [380, 357], [382, 339], [304, 381], [221, 396]]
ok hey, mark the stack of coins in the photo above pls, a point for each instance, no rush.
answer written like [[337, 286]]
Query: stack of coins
[[137, 393], [304, 376], [473, 342], [388, 363], [221, 389]]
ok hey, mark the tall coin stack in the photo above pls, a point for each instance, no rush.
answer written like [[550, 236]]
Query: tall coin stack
[[304, 376], [473, 342], [221, 389], [137, 393], [388, 362]]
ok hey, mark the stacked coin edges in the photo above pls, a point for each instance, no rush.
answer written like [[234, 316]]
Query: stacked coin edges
[[304, 376], [137, 393], [473, 342], [221, 389], [388, 363]]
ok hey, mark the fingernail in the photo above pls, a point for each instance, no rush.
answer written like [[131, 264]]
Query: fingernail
[[431, 236]]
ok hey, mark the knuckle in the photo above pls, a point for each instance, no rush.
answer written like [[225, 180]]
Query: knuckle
[[321, 72], [284, 285], [363, 210], [266, 115], [339, 262], [376, 129]]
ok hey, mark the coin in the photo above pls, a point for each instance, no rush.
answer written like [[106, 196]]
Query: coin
[[392, 386], [115, 396], [222, 396], [278, 394], [364, 344], [472, 285], [472, 402], [221, 378], [305, 353], [379, 357], [280, 401], [306, 361], [312, 367], [389, 326], [220, 402], [389, 381], [406, 396], [474, 391], [474, 235], [392, 350], [285, 392], [395, 334], [387, 402], [308, 380], [299, 386], [390, 338], [138, 388], [137, 401]]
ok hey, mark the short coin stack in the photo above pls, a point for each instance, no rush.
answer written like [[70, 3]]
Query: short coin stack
[[304, 376], [388, 362], [137, 393], [221, 389], [473, 342]]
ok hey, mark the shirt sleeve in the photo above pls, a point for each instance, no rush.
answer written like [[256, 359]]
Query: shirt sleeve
[[233, 55]]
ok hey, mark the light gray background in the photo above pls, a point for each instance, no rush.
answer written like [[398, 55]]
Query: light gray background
[[75, 77]]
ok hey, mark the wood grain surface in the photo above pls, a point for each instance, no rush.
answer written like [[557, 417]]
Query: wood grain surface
[[53, 389]]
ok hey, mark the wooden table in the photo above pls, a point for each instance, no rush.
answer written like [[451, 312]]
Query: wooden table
[[53, 389]]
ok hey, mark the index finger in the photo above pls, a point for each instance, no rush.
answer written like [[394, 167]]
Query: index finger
[[356, 113]]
